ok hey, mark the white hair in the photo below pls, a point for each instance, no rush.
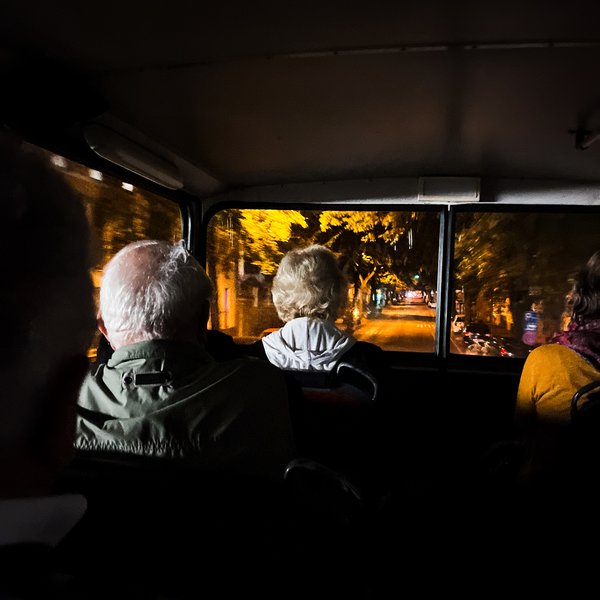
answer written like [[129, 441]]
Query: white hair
[[46, 303], [152, 290], [309, 283]]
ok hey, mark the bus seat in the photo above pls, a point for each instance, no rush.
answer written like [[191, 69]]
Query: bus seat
[[585, 404], [323, 491], [359, 377], [585, 434], [158, 510], [570, 452], [348, 384], [148, 509], [335, 421], [331, 531]]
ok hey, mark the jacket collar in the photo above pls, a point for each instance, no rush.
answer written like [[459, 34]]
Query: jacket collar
[[159, 355]]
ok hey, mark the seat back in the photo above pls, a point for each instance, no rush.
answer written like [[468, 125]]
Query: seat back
[[348, 384], [585, 405], [585, 433], [336, 417], [159, 514], [144, 511], [331, 530], [113, 481], [323, 492]]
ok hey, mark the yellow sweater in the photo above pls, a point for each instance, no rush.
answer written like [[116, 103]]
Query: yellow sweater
[[551, 375]]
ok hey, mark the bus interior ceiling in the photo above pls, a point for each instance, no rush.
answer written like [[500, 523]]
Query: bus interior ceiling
[[243, 98], [241, 95]]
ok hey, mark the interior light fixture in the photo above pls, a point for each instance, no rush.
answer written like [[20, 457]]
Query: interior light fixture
[[127, 154], [449, 189]]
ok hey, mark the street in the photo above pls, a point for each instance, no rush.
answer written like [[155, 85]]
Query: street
[[404, 328]]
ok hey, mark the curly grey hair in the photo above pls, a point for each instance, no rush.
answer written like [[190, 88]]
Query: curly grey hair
[[584, 299], [309, 283]]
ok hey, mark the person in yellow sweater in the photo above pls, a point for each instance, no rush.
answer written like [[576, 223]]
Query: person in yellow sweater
[[553, 373]]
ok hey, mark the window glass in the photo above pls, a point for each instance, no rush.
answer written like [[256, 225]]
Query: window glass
[[390, 258], [513, 272], [119, 212]]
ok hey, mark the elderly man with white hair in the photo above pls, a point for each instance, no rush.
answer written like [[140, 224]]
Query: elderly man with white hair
[[161, 394]]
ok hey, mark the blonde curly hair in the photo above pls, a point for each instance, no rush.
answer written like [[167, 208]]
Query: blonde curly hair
[[309, 283]]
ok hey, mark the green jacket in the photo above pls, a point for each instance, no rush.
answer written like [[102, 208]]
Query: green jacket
[[173, 400]]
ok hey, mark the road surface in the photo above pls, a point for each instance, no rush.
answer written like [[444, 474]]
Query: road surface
[[404, 328]]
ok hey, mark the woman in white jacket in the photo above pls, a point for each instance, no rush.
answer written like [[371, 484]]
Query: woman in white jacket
[[309, 293]]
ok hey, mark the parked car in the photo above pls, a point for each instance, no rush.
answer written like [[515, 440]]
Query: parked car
[[480, 344], [486, 345], [414, 297], [478, 327]]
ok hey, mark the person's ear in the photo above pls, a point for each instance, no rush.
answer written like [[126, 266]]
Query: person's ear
[[102, 328], [100, 324], [205, 314]]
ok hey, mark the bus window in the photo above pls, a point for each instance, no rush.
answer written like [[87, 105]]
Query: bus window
[[119, 212], [389, 257], [512, 274]]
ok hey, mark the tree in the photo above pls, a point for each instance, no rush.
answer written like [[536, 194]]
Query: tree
[[490, 258], [521, 256], [265, 231], [382, 247]]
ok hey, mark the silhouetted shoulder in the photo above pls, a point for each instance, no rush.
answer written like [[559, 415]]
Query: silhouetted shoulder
[[221, 346], [254, 350]]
